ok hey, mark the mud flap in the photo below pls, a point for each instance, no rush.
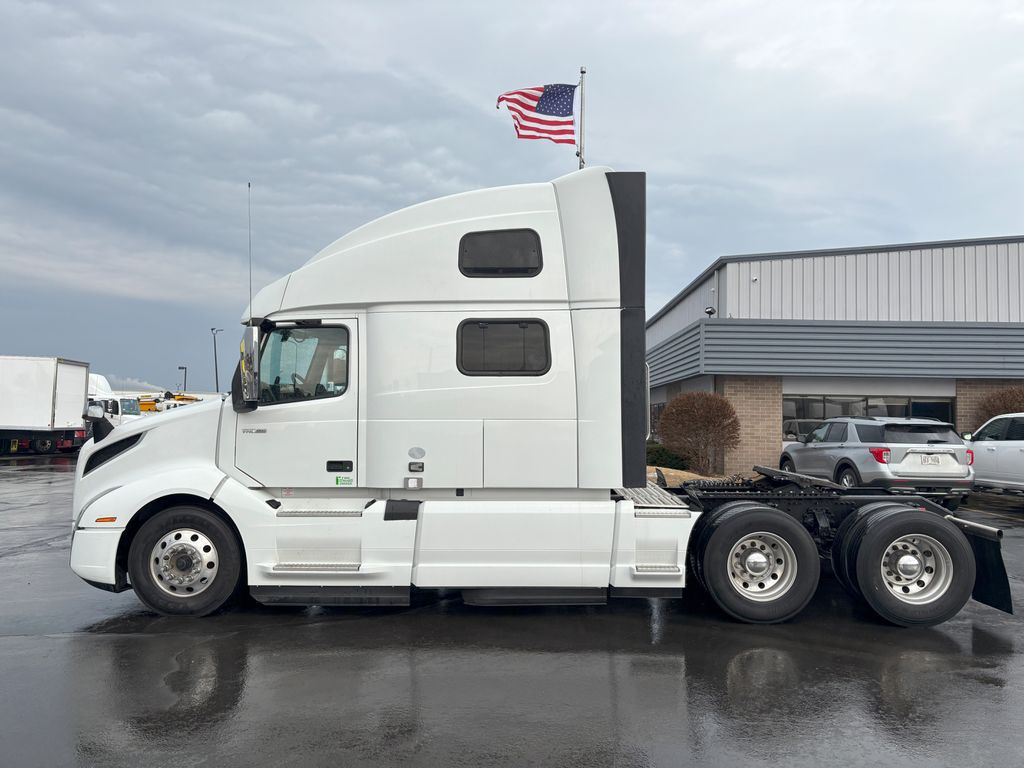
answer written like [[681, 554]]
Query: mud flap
[[991, 585]]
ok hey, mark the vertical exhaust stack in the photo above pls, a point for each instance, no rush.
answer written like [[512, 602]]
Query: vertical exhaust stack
[[629, 201]]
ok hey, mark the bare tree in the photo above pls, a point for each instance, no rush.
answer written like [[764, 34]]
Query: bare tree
[[700, 427], [1007, 400]]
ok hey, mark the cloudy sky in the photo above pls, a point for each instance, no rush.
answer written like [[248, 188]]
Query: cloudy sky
[[128, 132]]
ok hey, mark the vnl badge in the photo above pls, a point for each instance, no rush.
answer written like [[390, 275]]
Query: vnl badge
[[339, 480]]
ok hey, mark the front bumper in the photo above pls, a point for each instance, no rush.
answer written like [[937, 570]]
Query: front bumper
[[94, 557]]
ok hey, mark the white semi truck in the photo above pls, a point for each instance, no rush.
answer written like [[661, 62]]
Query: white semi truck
[[41, 403], [119, 408], [454, 396]]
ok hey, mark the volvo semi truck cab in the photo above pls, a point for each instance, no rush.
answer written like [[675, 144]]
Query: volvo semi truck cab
[[455, 396]]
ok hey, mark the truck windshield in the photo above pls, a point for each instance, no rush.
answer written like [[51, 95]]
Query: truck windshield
[[130, 406], [921, 434], [303, 363]]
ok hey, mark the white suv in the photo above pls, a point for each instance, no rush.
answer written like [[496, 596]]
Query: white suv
[[999, 452]]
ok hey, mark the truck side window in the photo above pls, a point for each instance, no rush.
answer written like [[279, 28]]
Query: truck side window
[[303, 364], [500, 253], [503, 348]]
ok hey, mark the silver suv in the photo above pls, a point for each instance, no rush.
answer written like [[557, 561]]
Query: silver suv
[[923, 456]]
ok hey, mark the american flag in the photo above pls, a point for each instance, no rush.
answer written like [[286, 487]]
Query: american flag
[[542, 112]]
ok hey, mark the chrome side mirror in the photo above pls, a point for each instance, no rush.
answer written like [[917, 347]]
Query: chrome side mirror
[[249, 365], [968, 436]]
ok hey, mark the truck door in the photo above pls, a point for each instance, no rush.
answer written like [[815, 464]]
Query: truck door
[[304, 432]]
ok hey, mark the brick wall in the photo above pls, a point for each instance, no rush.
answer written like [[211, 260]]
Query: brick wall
[[758, 404], [969, 393]]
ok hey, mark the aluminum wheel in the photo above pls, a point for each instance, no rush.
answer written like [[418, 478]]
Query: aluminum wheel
[[917, 569], [183, 562], [762, 566]]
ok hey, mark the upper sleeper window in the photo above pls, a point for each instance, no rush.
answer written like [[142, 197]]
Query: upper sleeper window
[[500, 253], [503, 348]]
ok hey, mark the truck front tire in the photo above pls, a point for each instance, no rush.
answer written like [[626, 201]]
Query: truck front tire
[[185, 561], [757, 563]]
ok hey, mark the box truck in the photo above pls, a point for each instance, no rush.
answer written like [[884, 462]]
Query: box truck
[[455, 396], [41, 404]]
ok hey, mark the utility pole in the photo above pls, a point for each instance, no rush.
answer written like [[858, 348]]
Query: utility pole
[[184, 385], [216, 372]]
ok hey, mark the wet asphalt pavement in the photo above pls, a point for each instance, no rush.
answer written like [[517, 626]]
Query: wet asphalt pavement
[[92, 678]]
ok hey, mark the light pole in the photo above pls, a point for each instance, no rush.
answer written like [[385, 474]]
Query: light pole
[[184, 385], [216, 373]]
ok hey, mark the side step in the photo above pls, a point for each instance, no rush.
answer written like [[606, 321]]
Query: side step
[[491, 597], [371, 595], [316, 567]]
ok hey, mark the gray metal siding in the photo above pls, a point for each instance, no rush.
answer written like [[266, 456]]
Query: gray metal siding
[[864, 349], [676, 358], [840, 348], [690, 308], [981, 282]]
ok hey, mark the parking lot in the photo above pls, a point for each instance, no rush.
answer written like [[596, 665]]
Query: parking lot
[[92, 678]]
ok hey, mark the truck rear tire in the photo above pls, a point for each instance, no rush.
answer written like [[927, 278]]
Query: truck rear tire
[[913, 568], [185, 561], [694, 551], [758, 564], [843, 563], [44, 445]]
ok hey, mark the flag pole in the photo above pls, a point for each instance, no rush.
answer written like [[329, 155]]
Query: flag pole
[[583, 108]]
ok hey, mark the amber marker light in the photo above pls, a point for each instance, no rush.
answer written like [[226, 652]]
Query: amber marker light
[[106, 519]]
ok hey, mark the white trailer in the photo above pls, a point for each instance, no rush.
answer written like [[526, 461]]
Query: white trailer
[[41, 404], [454, 396]]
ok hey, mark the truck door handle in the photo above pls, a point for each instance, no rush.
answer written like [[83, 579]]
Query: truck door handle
[[339, 466]]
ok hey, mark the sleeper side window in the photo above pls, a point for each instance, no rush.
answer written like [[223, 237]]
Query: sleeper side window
[[500, 253], [303, 364], [503, 348]]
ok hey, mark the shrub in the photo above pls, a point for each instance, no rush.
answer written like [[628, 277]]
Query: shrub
[[1006, 400], [660, 456], [699, 427]]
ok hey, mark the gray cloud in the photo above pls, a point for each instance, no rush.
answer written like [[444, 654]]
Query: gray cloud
[[128, 132]]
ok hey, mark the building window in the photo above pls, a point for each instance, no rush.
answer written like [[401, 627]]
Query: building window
[[799, 412], [503, 348], [500, 253]]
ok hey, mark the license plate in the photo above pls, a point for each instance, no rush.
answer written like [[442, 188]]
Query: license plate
[[929, 459]]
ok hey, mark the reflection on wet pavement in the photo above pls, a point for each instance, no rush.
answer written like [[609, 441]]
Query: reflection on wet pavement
[[92, 678]]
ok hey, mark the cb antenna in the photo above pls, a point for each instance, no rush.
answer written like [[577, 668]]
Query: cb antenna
[[249, 205]]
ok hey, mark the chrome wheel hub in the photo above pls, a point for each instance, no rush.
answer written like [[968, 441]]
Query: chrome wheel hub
[[183, 562], [917, 569], [762, 566]]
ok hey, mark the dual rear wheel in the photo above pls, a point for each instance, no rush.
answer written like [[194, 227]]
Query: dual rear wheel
[[912, 567], [757, 563]]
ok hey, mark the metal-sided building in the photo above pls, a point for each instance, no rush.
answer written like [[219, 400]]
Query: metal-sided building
[[917, 329]]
